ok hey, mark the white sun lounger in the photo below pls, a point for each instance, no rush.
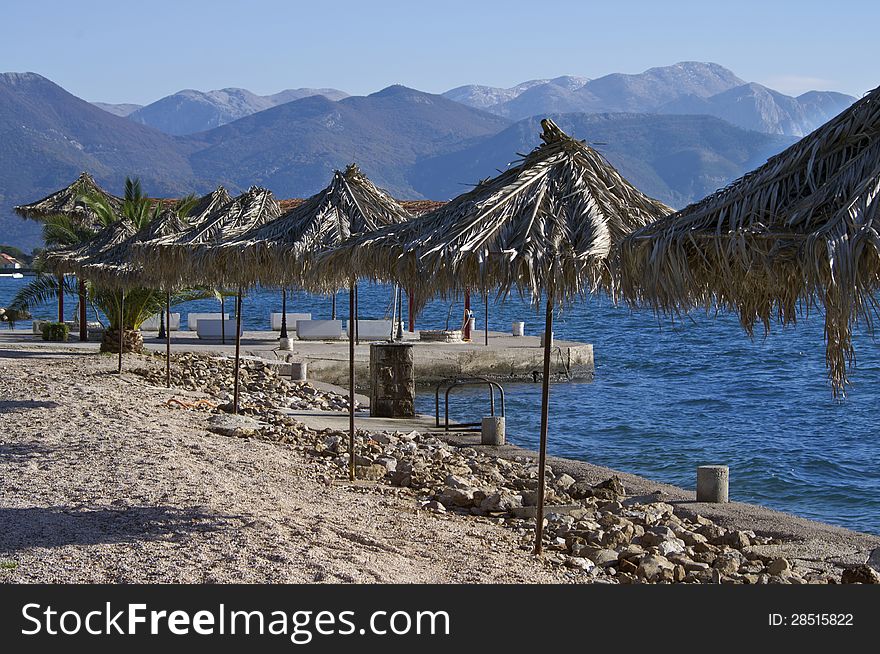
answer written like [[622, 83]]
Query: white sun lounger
[[192, 319], [151, 324], [291, 320], [371, 330], [319, 330], [212, 328]]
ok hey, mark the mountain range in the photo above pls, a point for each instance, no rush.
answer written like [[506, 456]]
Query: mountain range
[[190, 111], [670, 130]]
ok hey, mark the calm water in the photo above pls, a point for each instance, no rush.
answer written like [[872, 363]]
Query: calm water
[[667, 398]]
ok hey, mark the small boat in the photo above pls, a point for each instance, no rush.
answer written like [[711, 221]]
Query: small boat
[[13, 275]]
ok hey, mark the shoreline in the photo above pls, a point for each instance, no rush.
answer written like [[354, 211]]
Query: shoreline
[[807, 543]]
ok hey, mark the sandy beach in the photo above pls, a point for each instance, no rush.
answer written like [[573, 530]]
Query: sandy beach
[[104, 480]]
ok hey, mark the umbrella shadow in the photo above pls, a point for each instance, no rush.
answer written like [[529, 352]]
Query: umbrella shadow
[[13, 451], [34, 354], [58, 526], [10, 406]]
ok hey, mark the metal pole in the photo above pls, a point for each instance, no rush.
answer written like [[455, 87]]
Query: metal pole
[[168, 340], [467, 315], [400, 313], [393, 310], [283, 313], [357, 336], [83, 322], [487, 318], [121, 327], [545, 405], [222, 319], [235, 394], [333, 307], [161, 334], [412, 318], [60, 298], [352, 311]]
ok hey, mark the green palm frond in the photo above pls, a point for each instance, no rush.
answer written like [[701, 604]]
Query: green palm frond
[[65, 231], [42, 289]]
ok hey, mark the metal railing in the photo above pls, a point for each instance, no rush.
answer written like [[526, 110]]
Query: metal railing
[[459, 382]]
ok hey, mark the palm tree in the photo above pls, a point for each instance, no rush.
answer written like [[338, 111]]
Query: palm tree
[[124, 310]]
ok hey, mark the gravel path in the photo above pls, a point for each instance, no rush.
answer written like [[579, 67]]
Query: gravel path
[[101, 481]]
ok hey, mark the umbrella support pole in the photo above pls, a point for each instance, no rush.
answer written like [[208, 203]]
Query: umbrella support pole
[[283, 313], [235, 393], [357, 337], [83, 324], [545, 405], [222, 319], [352, 308], [487, 318], [60, 298], [394, 312], [333, 308], [121, 328], [409, 313], [168, 340]]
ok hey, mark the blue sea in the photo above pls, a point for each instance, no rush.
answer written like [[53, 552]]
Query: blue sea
[[669, 396]]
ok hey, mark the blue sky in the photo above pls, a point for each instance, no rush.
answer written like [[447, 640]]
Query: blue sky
[[137, 52]]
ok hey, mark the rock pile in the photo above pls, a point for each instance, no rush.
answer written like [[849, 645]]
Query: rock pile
[[262, 388], [594, 528]]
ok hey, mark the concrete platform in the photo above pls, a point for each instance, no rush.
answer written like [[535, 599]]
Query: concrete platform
[[506, 357]]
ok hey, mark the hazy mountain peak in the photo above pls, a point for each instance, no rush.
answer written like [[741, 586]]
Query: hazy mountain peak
[[190, 110], [22, 78], [122, 110]]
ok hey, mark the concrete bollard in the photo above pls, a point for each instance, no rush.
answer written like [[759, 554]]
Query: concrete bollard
[[493, 431], [543, 336], [285, 343], [519, 328], [298, 370], [712, 484]]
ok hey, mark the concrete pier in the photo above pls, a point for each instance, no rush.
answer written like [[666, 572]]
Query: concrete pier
[[506, 358]]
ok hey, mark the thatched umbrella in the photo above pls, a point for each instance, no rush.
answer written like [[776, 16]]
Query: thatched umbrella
[[111, 264], [71, 260], [280, 252], [69, 202], [546, 227], [190, 257], [803, 230], [119, 266]]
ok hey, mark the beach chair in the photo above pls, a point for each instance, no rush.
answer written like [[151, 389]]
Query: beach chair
[[371, 330], [151, 324], [291, 320], [192, 319], [319, 330], [212, 328]]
